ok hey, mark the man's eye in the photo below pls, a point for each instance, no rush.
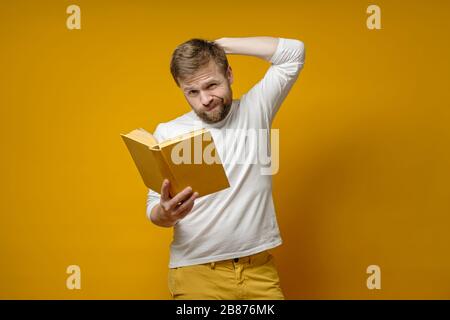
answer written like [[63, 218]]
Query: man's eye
[[212, 86], [192, 92]]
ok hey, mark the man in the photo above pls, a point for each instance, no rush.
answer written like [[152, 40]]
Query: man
[[219, 249]]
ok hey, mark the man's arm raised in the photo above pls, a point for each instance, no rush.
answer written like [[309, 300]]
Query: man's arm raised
[[261, 47], [286, 57]]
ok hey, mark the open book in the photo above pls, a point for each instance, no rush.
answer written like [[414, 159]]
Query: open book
[[187, 160]]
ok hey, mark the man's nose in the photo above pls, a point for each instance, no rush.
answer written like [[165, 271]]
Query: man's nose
[[205, 98]]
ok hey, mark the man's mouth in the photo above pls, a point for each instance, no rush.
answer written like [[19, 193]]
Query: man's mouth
[[212, 107]]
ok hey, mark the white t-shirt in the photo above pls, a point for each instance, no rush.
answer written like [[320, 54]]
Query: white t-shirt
[[240, 220]]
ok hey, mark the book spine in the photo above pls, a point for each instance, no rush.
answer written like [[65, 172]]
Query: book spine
[[167, 172]]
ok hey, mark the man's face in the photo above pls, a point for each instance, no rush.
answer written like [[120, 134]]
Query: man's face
[[209, 93]]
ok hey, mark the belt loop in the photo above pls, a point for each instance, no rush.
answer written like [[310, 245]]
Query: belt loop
[[213, 264]]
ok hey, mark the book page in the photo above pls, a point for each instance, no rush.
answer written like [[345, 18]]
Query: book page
[[181, 137], [142, 136]]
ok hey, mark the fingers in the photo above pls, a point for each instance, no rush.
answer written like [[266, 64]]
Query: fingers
[[180, 197], [186, 207], [184, 213], [165, 190]]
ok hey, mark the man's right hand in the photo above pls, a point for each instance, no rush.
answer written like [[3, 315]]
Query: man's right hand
[[170, 210]]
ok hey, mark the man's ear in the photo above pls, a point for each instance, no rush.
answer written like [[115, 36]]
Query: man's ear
[[230, 74]]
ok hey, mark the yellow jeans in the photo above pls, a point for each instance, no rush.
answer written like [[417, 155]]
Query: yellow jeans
[[251, 277]]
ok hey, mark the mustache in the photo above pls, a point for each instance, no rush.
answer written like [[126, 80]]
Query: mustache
[[215, 104]]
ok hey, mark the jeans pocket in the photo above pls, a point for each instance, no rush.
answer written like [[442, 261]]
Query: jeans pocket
[[269, 256]]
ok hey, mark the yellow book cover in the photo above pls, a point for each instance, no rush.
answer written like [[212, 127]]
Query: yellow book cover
[[190, 159]]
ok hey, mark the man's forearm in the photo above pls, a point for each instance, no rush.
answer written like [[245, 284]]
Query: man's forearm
[[261, 47]]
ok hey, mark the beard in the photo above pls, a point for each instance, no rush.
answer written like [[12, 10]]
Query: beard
[[217, 114]]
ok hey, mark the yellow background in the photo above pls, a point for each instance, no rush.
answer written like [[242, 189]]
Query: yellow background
[[364, 172]]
